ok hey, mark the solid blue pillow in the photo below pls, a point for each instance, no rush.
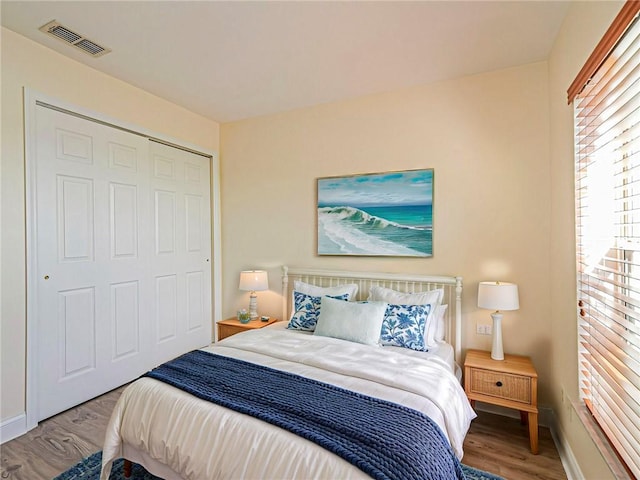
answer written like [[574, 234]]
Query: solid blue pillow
[[404, 326], [306, 310]]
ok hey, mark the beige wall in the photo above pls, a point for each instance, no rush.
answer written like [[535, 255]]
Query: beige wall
[[487, 138], [25, 63], [583, 27]]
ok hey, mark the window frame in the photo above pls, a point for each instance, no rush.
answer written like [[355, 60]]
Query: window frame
[[613, 282]]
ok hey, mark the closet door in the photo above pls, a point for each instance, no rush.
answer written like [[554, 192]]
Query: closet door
[[106, 279], [181, 251]]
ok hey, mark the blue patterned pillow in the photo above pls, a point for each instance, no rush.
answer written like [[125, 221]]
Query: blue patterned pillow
[[404, 326], [306, 310]]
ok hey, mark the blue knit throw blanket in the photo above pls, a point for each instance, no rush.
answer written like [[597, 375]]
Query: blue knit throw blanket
[[383, 439]]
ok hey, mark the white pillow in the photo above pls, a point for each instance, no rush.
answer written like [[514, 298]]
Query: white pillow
[[435, 328], [382, 294], [308, 289], [353, 321], [350, 289], [430, 297]]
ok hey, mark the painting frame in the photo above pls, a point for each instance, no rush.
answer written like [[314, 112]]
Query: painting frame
[[382, 214]]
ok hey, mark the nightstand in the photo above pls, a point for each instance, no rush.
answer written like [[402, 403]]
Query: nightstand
[[511, 383], [231, 326]]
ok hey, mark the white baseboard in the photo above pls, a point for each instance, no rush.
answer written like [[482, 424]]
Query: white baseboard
[[13, 428], [568, 459]]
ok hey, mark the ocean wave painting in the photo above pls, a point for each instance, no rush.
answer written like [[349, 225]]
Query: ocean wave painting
[[381, 214]]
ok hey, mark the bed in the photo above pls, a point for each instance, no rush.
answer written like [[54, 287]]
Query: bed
[[178, 434]]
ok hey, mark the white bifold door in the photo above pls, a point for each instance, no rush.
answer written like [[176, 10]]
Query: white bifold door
[[123, 250]]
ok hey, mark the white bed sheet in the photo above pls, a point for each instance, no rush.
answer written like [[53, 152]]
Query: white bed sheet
[[443, 350], [161, 426]]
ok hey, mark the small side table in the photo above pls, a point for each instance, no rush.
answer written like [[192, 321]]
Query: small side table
[[511, 383], [231, 326]]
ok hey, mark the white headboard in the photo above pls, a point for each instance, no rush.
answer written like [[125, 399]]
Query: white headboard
[[409, 283]]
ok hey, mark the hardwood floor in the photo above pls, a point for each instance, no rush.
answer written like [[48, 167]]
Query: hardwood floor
[[59, 442], [500, 445], [495, 444]]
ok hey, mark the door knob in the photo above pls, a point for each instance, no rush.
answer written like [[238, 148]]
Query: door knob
[[46, 277]]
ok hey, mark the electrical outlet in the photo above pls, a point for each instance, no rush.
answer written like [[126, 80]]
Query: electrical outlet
[[483, 329]]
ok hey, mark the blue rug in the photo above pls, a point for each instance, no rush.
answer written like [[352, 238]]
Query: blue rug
[[89, 469]]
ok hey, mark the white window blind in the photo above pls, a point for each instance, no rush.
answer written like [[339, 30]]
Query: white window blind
[[607, 146]]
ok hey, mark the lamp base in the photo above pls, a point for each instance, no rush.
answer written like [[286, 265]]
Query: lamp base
[[253, 305], [496, 346]]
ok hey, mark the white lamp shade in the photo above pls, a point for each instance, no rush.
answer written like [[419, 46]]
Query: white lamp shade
[[498, 296], [254, 280]]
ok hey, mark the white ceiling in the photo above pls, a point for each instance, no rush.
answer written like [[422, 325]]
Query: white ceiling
[[233, 60]]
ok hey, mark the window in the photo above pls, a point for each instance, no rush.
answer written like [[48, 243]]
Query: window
[[607, 149]]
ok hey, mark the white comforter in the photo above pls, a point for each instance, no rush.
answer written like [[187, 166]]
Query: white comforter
[[176, 435]]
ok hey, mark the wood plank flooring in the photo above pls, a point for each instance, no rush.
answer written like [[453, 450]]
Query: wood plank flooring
[[495, 444], [59, 442], [500, 445]]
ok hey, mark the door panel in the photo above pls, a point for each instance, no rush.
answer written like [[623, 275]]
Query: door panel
[[193, 219], [123, 157], [75, 218], [77, 328], [163, 167], [166, 307], [74, 146], [165, 206], [123, 212], [125, 318], [195, 300]]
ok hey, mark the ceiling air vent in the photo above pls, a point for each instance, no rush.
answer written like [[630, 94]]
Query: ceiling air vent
[[61, 32]]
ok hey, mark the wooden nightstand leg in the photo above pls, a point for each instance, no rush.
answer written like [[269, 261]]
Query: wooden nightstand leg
[[524, 418], [533, 432]]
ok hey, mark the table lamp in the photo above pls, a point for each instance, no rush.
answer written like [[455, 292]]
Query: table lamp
[[497, 296], [253, 281]]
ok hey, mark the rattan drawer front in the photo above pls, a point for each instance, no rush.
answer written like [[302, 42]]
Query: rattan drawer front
[[503, 385]]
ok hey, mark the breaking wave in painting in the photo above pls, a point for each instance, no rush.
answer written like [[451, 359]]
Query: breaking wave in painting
[[398, 230]]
